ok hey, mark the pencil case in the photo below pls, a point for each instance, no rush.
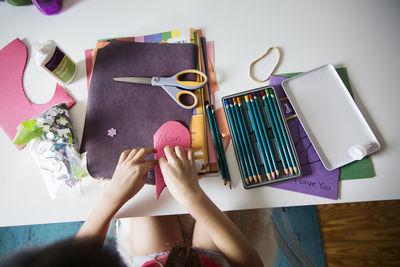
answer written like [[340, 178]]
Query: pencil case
[[261, 138]]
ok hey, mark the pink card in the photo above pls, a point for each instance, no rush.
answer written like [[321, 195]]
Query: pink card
[[171, 133], [14, 106]]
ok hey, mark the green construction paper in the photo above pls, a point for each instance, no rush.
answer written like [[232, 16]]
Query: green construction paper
[[26, 132], [357, 169], [19, 2], [77, 171], [29, 125]]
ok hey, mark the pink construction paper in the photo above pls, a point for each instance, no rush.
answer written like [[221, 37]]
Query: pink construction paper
[[89, 65], [210, 51], [139, 39], [15, 107], [171, 133]]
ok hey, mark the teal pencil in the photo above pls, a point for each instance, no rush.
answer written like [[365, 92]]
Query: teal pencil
[[275, 134], [218, 146], [257, 119], [259, 140], [246, 137], [243, 141], [285, 137], [251, 172], [265, 134], [242, 160], [278, 130], [221, 147]]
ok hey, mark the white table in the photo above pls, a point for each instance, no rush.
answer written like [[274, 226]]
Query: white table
[[360, 35]]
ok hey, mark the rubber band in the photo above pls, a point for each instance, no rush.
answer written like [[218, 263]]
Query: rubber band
[[273, 70]]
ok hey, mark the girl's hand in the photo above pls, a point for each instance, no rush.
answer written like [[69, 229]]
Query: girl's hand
[[180, 174], [130, 174]]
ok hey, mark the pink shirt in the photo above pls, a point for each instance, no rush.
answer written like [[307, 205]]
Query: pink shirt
[[203, 259]]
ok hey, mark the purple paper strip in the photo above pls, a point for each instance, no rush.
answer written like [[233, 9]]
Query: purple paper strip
[[316, 179]]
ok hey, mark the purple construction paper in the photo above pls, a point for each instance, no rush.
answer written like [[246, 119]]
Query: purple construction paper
[[316, 179], [136, 111]]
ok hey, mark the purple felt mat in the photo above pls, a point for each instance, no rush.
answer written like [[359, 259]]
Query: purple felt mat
[[135, 111]]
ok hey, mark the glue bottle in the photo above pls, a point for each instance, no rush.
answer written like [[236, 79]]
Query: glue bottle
[[55, 61]]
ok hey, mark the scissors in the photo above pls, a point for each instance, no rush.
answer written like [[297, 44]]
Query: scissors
[[174, 86]]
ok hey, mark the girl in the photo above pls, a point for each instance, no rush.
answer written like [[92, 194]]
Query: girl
[[156, 241]]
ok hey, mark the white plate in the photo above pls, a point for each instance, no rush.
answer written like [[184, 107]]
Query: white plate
[[330, 117]]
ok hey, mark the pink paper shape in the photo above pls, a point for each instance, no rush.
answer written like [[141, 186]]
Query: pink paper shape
[[89, 65], [14, 105], [171, 133]]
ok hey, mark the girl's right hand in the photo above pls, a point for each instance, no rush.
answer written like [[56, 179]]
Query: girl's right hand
[[180, 174]]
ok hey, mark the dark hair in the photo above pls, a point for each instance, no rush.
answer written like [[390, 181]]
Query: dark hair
[[183, 257], [70, 252], [90, 252]]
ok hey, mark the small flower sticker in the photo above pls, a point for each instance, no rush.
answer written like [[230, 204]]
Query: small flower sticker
[[112, 132]]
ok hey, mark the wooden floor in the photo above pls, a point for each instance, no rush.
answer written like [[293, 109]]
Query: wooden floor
[[361, 234]]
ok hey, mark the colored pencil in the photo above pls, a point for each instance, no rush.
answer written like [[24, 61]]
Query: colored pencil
[[246, 155], [265, 134], [246, 172], [278, 130], [263, 142], [285, 137], [218, 146], [246, 152], [259, 142], [246, 137], [205, 59], [275, 134]]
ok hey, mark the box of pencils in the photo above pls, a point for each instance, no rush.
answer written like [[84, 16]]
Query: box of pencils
[[261, 138]]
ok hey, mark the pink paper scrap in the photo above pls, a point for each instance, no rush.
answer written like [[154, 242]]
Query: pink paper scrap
[[171, 133], [15, 107]]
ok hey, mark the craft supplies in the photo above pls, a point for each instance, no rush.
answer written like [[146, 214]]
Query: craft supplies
[[251, 68], [50, 140], [48, 7], [19, 2], [218, 146], [259, 134], [15, 107], [174, 85], [171, 133], [246, 138], [212, 121], [136, 111], [55, 61], [316, 180], [327, 112]]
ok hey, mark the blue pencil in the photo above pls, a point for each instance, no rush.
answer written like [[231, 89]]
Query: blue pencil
[[242, 160], [264, 145], [275, 134], [246, 156], [259, 140], [218, 146], [250, 157], [269, 145], [285, 137], [278, 130], [246, 131]]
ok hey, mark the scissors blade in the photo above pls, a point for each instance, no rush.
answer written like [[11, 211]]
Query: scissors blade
[[142, 80]]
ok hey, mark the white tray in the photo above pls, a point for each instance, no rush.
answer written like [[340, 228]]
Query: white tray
[[330, 117]]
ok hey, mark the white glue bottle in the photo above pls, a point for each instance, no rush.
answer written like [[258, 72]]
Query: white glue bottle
[[55, 61]]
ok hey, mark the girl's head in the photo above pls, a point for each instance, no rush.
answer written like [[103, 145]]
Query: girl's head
[[71, 252], [86, 253]]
